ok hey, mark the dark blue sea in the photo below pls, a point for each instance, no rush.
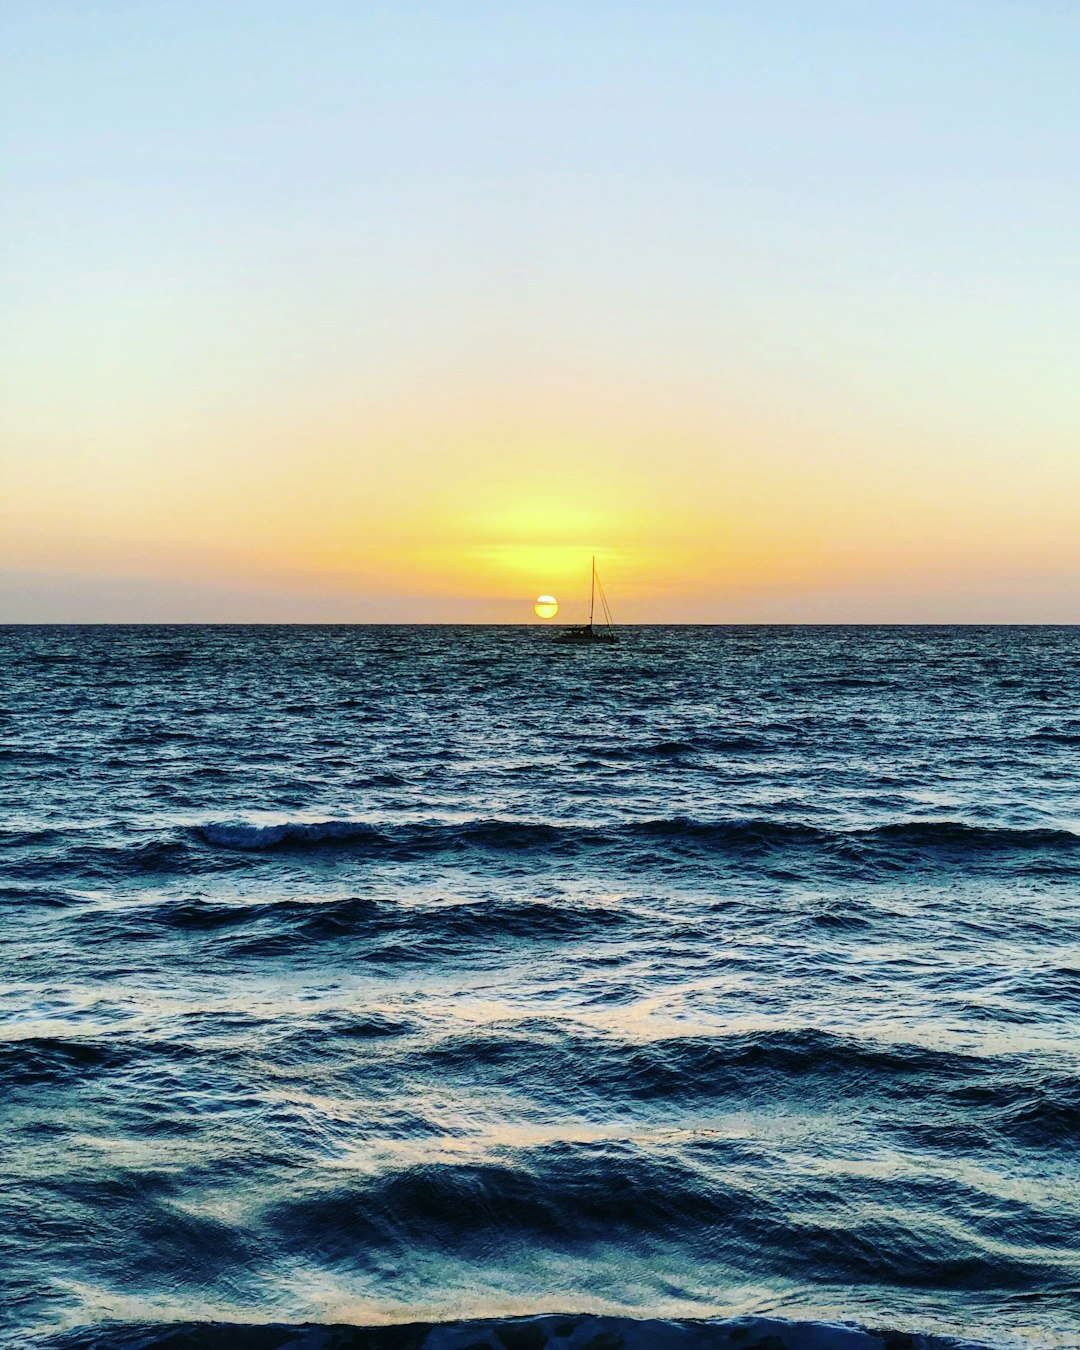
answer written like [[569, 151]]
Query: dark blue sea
[[442, 986]]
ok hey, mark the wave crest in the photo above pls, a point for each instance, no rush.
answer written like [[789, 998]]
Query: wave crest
[[243, 836], [546, 1332], [740, 833]]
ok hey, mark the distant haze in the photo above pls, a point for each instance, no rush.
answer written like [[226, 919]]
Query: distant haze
[[343, 311]]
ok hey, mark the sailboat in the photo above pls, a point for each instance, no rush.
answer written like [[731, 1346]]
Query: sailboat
[[590, 632]]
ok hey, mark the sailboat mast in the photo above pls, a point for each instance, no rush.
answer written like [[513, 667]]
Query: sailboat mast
[[592, 591]]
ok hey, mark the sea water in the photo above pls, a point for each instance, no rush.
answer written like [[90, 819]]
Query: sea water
[[416, 974]]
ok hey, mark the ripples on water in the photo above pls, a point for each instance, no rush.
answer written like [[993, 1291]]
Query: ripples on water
[[410, 974]]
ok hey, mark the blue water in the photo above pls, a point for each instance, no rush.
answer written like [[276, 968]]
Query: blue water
[[386, 975]]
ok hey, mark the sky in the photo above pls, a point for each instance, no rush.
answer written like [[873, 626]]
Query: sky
[[358, 312]]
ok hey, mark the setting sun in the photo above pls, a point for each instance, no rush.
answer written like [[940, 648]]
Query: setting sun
[[546, 607]]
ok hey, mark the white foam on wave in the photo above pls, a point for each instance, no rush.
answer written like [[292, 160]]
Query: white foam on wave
[[242, 835]]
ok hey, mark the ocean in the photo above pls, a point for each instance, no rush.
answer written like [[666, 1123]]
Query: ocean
[[718, 988]]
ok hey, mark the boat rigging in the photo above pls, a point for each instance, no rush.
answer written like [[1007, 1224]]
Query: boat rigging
[[592, 632]]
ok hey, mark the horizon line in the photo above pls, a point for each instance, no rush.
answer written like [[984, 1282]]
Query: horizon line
[[475, 623]]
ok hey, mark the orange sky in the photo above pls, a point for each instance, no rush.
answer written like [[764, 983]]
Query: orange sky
[[394, 319]]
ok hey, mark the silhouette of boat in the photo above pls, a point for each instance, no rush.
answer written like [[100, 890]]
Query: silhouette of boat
[[591, 632]]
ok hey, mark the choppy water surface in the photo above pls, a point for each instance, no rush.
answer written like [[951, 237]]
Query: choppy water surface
[[411, 974]]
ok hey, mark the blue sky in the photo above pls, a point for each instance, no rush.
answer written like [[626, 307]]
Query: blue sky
[[285, 280]]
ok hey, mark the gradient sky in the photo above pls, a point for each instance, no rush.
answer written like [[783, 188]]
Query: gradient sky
[[329, 310]]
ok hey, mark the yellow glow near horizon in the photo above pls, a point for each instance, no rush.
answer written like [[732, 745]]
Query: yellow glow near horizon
[[405, 370], [447, 507], [546, 607]]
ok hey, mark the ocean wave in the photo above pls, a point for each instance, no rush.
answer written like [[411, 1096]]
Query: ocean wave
[[143, 857], [47, 1059], [680, 1068], [946, 834], [13, 838], [414, 930], [569, 1197], [402, 840], [743, 833], [52, 1060], [572, 1331], [1028, 1101], [48, 897], [1019, 1100], [295, 833], [224, 845], [1056, 736], [23, 755], [677, 747]]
